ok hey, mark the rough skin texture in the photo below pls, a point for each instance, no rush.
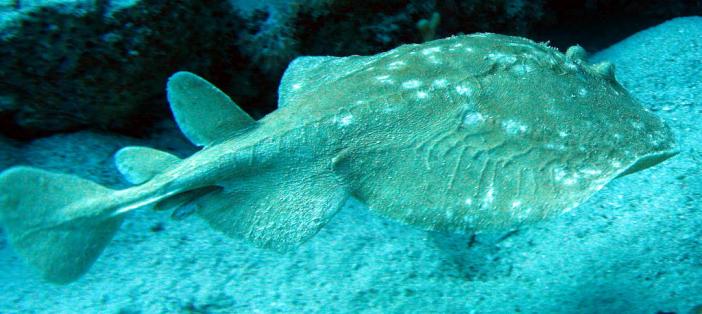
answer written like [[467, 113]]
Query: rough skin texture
[[474, 132]]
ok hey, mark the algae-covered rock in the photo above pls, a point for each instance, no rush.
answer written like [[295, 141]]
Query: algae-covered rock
[[70, 64]]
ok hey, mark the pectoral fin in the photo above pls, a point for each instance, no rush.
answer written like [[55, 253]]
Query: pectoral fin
[[273, 213]]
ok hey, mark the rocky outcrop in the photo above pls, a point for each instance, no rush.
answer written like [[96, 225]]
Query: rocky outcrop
[[83, 64], [69, 64]]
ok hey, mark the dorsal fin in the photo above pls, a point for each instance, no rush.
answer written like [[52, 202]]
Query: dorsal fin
[[305, 75], [139, 164], [204, 113], [296, 76]]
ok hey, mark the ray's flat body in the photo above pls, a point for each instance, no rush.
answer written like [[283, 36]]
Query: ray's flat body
[[459, 134]]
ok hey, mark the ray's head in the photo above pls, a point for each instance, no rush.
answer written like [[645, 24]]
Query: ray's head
[[644, 137], [497, 130], [565, 104], [553, 129], [652, 139]]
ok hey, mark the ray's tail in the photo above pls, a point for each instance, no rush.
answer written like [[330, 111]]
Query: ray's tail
[[59, 223]]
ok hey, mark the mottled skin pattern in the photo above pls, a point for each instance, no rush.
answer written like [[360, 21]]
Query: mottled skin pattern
[[473, 132], [464, 133]]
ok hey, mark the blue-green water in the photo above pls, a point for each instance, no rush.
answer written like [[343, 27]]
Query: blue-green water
[[635, 247]]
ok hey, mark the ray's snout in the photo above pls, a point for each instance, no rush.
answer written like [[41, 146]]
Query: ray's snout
[[650, 161]]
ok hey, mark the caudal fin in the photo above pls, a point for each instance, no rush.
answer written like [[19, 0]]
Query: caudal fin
[[59, 223]]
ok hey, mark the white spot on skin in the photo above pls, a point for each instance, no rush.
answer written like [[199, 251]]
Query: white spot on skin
[[345, 120], [583, 92], [385, 79], [396, 65], [521, 69], [472, 118], [434, 60], [464, 90], [571, 66], [411, 84], [513, 127], [440, 83], [457, 45], [468, 219], [502, 58], [296, 86], [422, 95], [552, 110], [616, 164], [528, 211], [469, 201], [590, 171], [489, 196], [555, 146], [524, 213], [569, 208], [516, 203], [560, 175], [528, 47], [468, 49], [562, 133], [570, 181], [430, 50]]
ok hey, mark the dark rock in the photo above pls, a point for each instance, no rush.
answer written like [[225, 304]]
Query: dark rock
[[78, 64], [9, 154], [103, 64]]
